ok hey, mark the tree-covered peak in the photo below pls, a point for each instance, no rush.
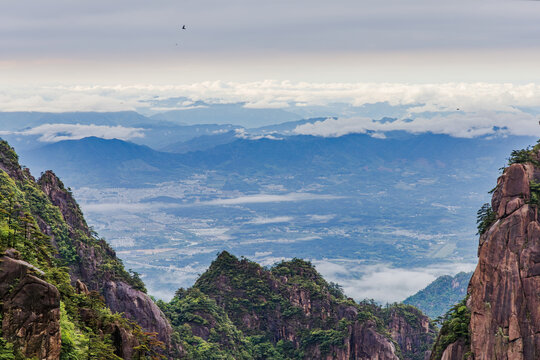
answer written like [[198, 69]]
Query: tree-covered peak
[[296, 267]]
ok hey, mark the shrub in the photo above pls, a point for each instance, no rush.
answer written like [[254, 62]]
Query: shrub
[[485, 217]]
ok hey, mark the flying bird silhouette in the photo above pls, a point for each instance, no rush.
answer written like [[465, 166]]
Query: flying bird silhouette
[[184, 27]]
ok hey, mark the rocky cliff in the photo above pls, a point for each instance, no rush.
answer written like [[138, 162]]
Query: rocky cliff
[[99, 268], [503, 294], [30, 309], [411, 329], [53, 305], [291, 312]]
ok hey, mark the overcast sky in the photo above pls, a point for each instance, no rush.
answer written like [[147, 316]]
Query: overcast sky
[[134, 41], [478, 56]]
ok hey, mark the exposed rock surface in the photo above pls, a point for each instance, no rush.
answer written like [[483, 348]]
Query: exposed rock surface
[[505, 288], [455, 351], [294, 304], [412, 330], [136, 305], [61, 197], [119, 296], [504, 291], [30, 309]]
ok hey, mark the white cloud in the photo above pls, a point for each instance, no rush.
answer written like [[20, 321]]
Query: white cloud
[[115, 207], [417, 235], [482, 105], [267, 198], [290, 240], [242, 134], [466, 125], [270, 220], [59, 132], [322, 218], [382, 282]]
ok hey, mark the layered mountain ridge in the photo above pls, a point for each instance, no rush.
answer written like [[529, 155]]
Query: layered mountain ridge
[[66, 295]]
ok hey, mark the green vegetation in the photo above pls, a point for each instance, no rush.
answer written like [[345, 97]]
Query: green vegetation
[[6, 350], [485, 217], [439, 296], [522, 156], [455, 326], [194, 316], [22, 206], [74, 342], [413, 317], [535, 193], [237, 308]]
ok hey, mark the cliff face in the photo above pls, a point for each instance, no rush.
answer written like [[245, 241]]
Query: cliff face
[[61, 287], [504, 290], [411, 329], [503, 295], [119, 296], [291, 312], [30, 309]]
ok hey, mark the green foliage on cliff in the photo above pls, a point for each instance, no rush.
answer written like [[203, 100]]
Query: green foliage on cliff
[[485, 217], [455, 326], [535, 193], [204, 328], [238, 309], [74, 341], [439, 296], [6, 350], [522, 156], [23, 208]]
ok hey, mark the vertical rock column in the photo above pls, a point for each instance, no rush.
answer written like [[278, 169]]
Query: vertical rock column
[[505, 288]]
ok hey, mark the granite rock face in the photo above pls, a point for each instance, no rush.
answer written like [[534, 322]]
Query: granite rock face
[[414, 334], [136, 305], [311, 307], [504, 292], [456, 351], [30, 309], [119, 296]]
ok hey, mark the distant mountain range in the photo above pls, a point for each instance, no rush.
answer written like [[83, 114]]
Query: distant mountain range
[[105, 161]]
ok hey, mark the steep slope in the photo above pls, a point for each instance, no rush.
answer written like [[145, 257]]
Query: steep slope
[[97, 266], [44, 245], [290, 312], [439, 296], [503, 302], [411, 329]]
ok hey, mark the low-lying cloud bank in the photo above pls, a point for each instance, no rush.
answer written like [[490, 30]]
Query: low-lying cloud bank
[[464, 125], [383, 283], [58, 132], [456, 109]]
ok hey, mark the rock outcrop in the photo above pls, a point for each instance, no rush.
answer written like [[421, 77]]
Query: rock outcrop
[[30, 309], [136, 305], [119, 296], [503, 294], [411, 329], [292, 303], [504, 290]]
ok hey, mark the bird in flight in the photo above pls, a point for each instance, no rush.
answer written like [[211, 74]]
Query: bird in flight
[[184, 27]]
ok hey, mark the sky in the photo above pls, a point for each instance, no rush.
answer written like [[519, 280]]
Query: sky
[[478, 56], [140, 41]]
